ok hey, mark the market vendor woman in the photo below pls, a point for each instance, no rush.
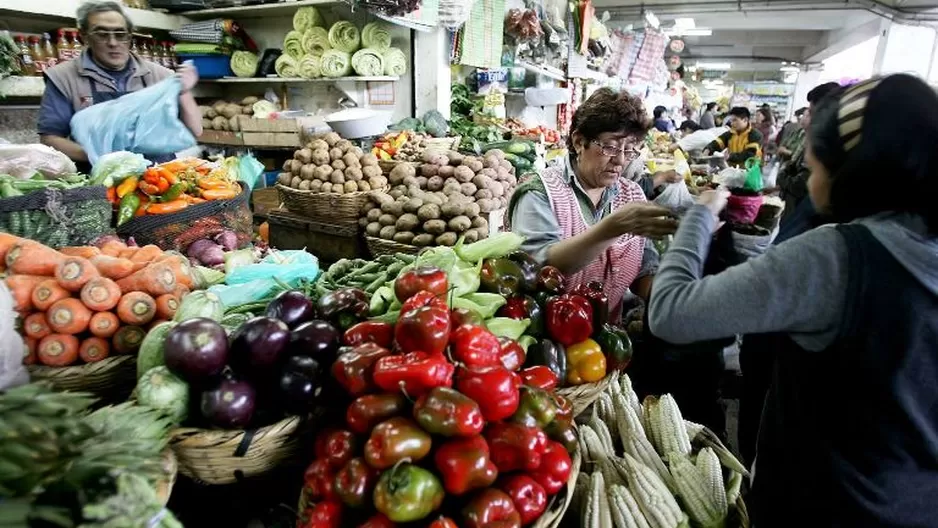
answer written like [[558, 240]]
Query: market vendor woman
[[105, 71], [585, 218]]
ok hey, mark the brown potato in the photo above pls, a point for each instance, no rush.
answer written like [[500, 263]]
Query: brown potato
[[467, 189], [318, 144], [351, 187], [295, 182], [451, 209], [447, 239], [304, 155], [335, 154], [413, 205], [372, 229], [315, 185], [364, 186], [323, 172], [387, 232], [446, 172], [331, 138], [338, 165], [428, 170], [407, 222], [423, 239], [405, 237], [471, 236], [368, 160], [326, 187], [459, 224], [471, 209], [351, 160], [304, 185], [284, 178], [337, 178], [394, 208], [387, 219], [321, 157], [434, 227], [308, 171], [463, 173], [401, 171], [435, 183], [353, 173], [371, 171], [343, 144]]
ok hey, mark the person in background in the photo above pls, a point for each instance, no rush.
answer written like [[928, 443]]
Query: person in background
[[105, 71], [663, 122], [791, 135], [708, 119], [741, 140], [765, 124], [694, 138]]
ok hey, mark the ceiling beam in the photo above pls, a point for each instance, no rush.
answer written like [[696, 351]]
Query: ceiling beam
[[843, 39]]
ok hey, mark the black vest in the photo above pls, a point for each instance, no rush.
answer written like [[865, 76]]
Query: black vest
[[849, 436]]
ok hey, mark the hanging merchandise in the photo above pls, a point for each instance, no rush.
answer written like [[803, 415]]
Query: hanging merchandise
[[455, 13], [482, 35], [523, 25], [394, 8], [649, 56]]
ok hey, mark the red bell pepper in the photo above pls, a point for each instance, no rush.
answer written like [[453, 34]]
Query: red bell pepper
[[371, 409], [569, 319], [355, 482], [377, 332], [447, 412], [318, 481], [539, 376], [421, 278], [474, 346], [491, 507], [353, 369], [378, 520], [554, 469], [593, 292], [495, 389], [394, 440], [443, 522], [326, 514], [526, 494], [464, 465], [550, 279], [525, 307], [415, 373], [511, 355], [335, 446], [515, 447], [420, 299], [424, 329]]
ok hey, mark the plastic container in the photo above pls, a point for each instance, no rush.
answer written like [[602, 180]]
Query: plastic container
[[353, 123], [209, 66]]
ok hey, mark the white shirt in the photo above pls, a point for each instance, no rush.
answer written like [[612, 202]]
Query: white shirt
[[700, 139]]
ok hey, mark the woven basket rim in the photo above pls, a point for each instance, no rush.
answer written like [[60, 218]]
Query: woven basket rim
[[97, 367], [583, 395], [330, 194], [181, 436], [392, 245]]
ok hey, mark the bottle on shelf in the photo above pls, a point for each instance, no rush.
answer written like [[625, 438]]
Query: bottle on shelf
[[62, 47], [37, 54], [27, 65], [158, 56], [77, 47], [48, 49], [171, 60], [133, 46], [145, 53]]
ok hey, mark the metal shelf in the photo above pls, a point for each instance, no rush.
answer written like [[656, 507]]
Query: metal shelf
[[265, 10], [255, 80], [65, 10]]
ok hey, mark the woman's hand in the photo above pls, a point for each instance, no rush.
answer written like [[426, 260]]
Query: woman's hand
[[188, 75], [641, 219], [714, 201], [663, 177]]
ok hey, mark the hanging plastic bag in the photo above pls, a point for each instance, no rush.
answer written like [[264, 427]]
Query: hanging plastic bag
[[252, 283], [770, 175], [23, 161], [146, 122], [115, 167], [249, 170], [676, 197], [753, 175]]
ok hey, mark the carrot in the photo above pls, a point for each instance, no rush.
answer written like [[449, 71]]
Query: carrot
[[155, 279], [36, 326], [103, 324], [30, 357], [193, 200], [74, 272], [128, 339], [181, 269], [112, 247], [6, 242], [100, 294], [47, 292], [147, 253], [68, 316], [93, 349], [166, 306], [21, 287], [129, 252], [58, 350], [33, 258], [113, 267], [136, 308], [80, 251], [169, 207]]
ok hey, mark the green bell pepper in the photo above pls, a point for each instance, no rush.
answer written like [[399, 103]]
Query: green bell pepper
[[407, 493], [616, 345], [536, 408]]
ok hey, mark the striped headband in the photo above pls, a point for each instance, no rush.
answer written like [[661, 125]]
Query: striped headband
[[850, 115]]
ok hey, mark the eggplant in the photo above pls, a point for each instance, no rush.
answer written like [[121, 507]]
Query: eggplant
[[196, 350], [317, 339], [291, 307], [549, 354], [230, 404], [300, 383], [258, 344]]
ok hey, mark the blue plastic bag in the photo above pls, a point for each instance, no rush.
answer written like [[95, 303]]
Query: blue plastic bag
[[252, 283], [145, 122]]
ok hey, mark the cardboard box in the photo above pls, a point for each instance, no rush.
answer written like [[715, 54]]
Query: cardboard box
[[220, 137]]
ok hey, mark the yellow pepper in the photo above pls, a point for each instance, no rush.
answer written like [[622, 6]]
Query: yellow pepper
[[586, 362], [127, 186]]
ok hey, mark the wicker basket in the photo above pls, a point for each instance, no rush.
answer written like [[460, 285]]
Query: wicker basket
[[379, 246], [557, 507], [582, 396], [224, 457], [111, 379], [335, 209]]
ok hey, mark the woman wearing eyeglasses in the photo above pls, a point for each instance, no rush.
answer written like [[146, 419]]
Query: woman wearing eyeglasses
[[105, 71], [584, 217]]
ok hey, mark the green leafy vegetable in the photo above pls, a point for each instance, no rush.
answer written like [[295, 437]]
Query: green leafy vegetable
[[485, 304], [496, 246], [507, 327]]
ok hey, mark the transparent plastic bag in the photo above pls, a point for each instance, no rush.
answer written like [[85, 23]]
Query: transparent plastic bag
[[770, 175], [676, 197], [116, 166], [12, 372], [22, 161], [731, 178], [255, 282], [146, 122]]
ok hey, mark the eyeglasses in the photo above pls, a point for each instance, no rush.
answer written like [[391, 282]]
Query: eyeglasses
[[629, 152], [103, 37]]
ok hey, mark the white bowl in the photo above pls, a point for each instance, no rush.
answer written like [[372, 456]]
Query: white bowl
[[353, 123]]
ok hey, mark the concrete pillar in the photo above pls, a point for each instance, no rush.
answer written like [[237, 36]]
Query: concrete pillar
[[432, 77]]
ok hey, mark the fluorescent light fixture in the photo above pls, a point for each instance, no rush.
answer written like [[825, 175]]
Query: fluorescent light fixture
[[790, 69], [713, 82], [684, 23], [714, 65], [701, 32]]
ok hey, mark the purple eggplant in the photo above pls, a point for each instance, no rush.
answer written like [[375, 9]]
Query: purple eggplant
[[196, 350], [258, 344], [291, 307], [230, 404], [300, 383], [316, 339]]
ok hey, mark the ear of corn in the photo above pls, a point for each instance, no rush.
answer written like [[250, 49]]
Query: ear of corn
[[693, 429], [708, 465], [707, 438], [600, 457], [671, 435], [607, 412], [694, 492], [650, 420], [733, 485], [635, 443], [604, 435], [580, 494], [625, 383], [653, 496], [625, 511], [597, 514]]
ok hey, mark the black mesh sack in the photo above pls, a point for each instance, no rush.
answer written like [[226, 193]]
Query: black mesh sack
[[56, 218]]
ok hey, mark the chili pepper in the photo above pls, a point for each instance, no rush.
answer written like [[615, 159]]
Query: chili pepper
[[529, 268], [474, 346], [128, 206], [408, 493], [447, 412], [554, 469], [586, 362], [355, 482], [162, 185], [148, 188], [495, 389], [144, 205], [324, 515], [354, 369], [540, 377], [166, 174], [515, 447], [443, 522], [420, 299], [168, 207], [128, 186], [318, 481], [335, 446], [491, 507], [569, 319], [549, 354], [370, 332], [371, 409], [173, 192], [550, 279], [111, 195], [415, 373], [501, 276], [464, 465], [421, 278], [511, 355], [593, 292], [526, 494], [536, 409], [394, 440], [425, 329], [617, 346], [378, 520], [345, 306], [525, 307]]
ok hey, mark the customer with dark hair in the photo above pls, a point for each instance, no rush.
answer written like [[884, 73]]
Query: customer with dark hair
[[584, 217], [708, 120], [663, 121], [849, 429], [791, 135], [742, 140], [765, 124]]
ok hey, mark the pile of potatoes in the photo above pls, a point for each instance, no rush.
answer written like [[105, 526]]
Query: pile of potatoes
[[224, 115], [331, 164], [440, 200]]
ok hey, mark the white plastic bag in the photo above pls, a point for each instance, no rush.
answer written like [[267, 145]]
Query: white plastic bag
[[12, 372], [731, 178], [115, 167], [676, 197], [22, 161], [752, 246], [770, 175]]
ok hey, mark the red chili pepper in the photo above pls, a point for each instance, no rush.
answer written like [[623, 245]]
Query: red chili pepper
[[464, 465], [371, 409], [569, 319], [425, 329], [474, 346], [495, 389], [335, 446], [526, 494], [324, 515], [318, 481], [443, 522], [376, 332], [354, 369], [515, 447], [554, 469], [539, 376], [511, 355], [415, 373], [491, 508], [149, 188], [422, 278]]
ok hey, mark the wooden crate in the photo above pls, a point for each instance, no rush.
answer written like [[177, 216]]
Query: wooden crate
[[279, 125], [328, 242], [221, 137], [272, 139], [265, 200]]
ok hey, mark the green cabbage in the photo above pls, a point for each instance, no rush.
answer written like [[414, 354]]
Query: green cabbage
[[335, 63], [287, 67], [395, 62], [305, 18], [200, 304], [244, 63], [293, 45], [368, 62], [316, 41], [376, 35], [162, 390], [310, 67], [344, 36]]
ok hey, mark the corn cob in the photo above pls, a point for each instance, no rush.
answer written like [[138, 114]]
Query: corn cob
[[635, 443], [708, 465], [625, 382], [707, 438], [614, 386], [600, 457], [672, 435], [624, 509], [600, 428], [580, 494], [596, 514], [649, 412], [733, 485], [653, 497], [694, 492], [607, 413]]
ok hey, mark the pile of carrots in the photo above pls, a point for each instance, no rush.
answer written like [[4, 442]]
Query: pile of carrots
[[84, 304]]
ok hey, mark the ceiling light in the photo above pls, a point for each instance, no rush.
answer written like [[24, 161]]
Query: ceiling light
[[791, 69], [696, 32], [685, 23], [713, 82], [714, 65]]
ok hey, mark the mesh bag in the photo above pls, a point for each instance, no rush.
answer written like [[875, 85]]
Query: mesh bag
[[75, 217], [175, 231]]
